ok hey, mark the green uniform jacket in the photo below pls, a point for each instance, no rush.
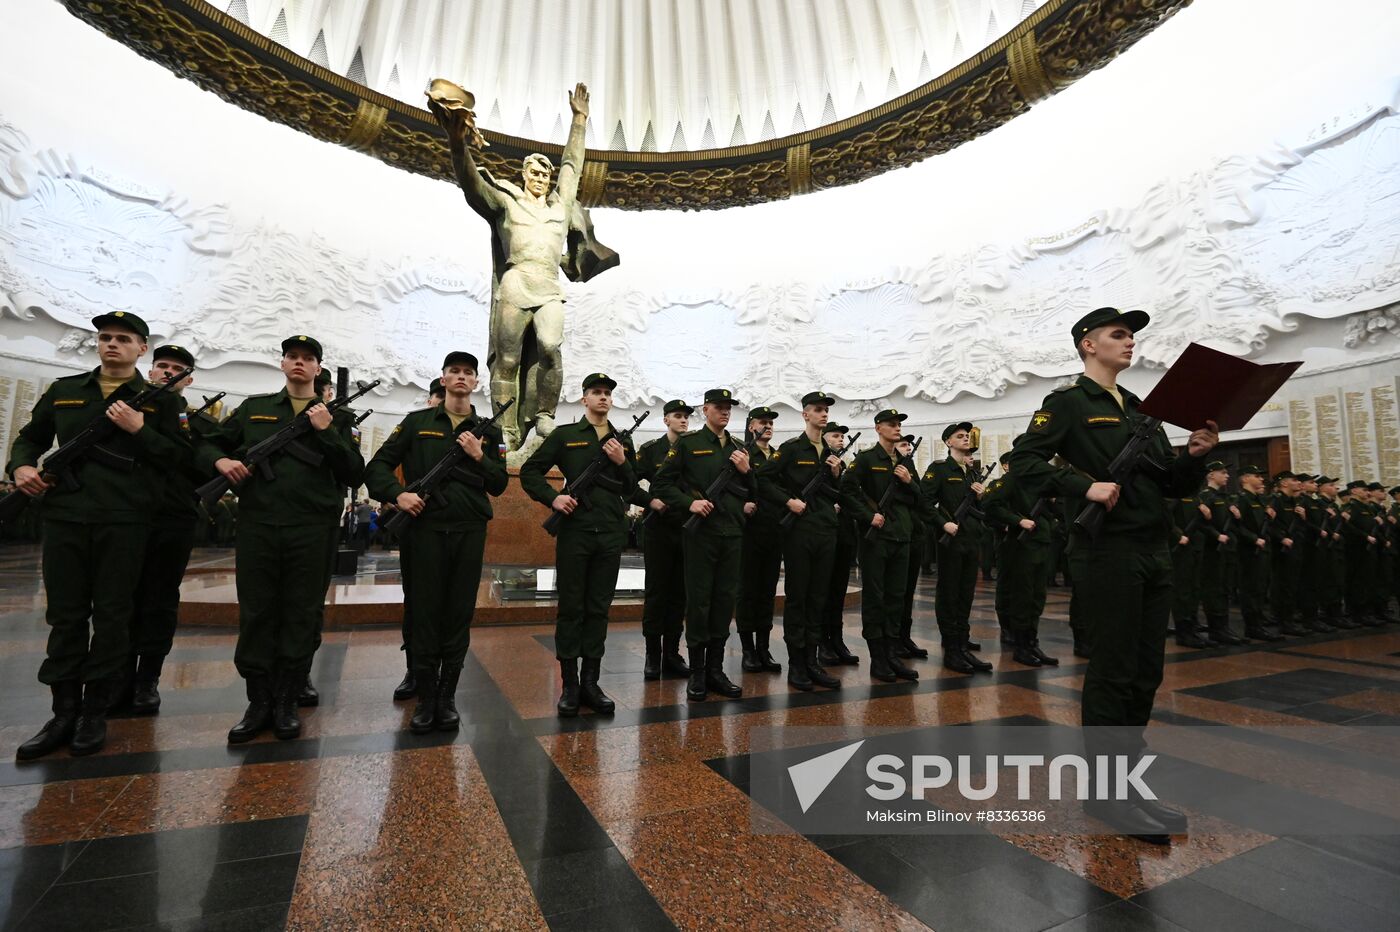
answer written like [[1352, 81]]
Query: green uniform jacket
[[105, 494], [1219, 502], [944, 487], [691, 465], [1084, 425], [864, 483], [1183, 512], [1006, 502], [1286, 522], [417, 444], [787, 472], [178, 504], [572, 447], [650, 456], [767, 516], [300, 492], [1360, 522], [1252, 518]]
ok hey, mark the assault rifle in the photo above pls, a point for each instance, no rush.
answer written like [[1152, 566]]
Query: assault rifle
[[718, 487], [259, 456], [969, 499], [450, 466], [208, 403], [884, 502], [1130, 459], [1037, 510], [583, 483], [60, 466], [810, 489]]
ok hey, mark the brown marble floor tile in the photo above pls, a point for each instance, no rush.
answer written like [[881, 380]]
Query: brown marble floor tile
[[188, 798], [48, 813], [705, 874], [409, 840], [199, 674], [1375, 648], [1371, 700], [628, 795]]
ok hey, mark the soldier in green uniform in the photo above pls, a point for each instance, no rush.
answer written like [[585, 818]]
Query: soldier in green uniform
[[325, 393], [831, 649], [712, 550], [443, 545], [809, 543], [1002, 596], [1189, 520], [1312, 555], [95, 527], [663, 612], [1125, 572], [1385, 552], [1218, 557], [905, 648], [946, 483], [167, 551], [884, 560], [1329, 569], [1392, 517], [286, 533], [1283, 555], [436, 393], [1252, 550], [588, 550], [762, 557], [1025, 550]]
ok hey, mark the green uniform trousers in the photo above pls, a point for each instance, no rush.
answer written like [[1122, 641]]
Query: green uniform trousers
[[158, 595], [762, 560], [1308, 558], [807, 556], [1283, 585], [1254, 584], [712, 568], [90, 576], [281, 575], [441, 588], [663, 612], [911, 582], [1360, 567], [1214, 600], [1125, 597], [586, 565], [884, 568], [1023, 579], [1186, 593], [834, 602], [1331, 570], [957, 583]]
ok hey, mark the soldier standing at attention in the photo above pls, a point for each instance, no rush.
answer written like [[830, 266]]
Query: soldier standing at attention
[[444, 542], [1022, 574], [1189, 517], [946, 483], [1218, 554], [809, 543], [832, 650], [712, 551], [96, 528], [1125, 572], [762, 558], [436, 393], [905, 647], [1283, 564], [1385, 552], [167, 549], [884, 560], [1253, 554], [285, 537], [588, 550], [663, 612], [1312, 554]]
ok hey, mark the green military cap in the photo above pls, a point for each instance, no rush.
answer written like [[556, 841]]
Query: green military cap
[[1135, 321], [323, 377], [817, 398], [890, 415], [1356, 484], [1004, 457], [1394, 491], [460, 358], [675, 405], [719, 396], [1375, 487], [123, 319], [598, 378], [834, 429], [171, 351], [302, 341], [1327, 480], [1284, 474], [763, 413], [435, 388], [1251, 471], [1213, 465], [952, 429], [907, 438]]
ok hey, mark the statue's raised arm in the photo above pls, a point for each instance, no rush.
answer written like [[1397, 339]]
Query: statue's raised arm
[[572, 167], [452, 106]]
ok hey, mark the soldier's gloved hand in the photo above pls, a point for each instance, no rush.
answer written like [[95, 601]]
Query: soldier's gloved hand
[[950, 528], [319, 417], [31, 481], [796, 505], [1105, 493], [126, 417], [740, 459], [702, 507], [565, 503], [410, 502], [615, 451], [232, 470], [471, 443]]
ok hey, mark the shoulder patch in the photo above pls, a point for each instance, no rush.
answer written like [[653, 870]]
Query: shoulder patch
[[671, 452], [1040, 421], [395, 431]]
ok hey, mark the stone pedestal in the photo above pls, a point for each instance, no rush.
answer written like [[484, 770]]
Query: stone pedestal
[[514, 537]]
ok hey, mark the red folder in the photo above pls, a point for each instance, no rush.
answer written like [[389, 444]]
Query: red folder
[[1208, 385]]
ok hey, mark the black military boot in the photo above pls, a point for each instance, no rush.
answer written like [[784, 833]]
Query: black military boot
[[407, 688], [815, 673], [125, 688], [448, 719], [672, 663], [715, 680], [567, 707], [1320, 625], [879, 660], [1292, 629], [1256, 630], [307, 696], [424, 717], [286, 724], [1006, 638], [972, 645], [978, 664], [1045, 659], [1342, 623], [90, 733], [57, 731], [1023, 653], [695, 690], [651, 667], [145, 696], [840, 651], [1128, 819], [1186, 635], [907, 647], [1220, 632], [797, 676], [751, 662], [258, 716], [589, 692], [897, 666], [954, 660], [765, 656], [1203, 633], [1081, 649], [826, 654]]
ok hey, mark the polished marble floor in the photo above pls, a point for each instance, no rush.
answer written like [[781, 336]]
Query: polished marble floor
[[640, 820]]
